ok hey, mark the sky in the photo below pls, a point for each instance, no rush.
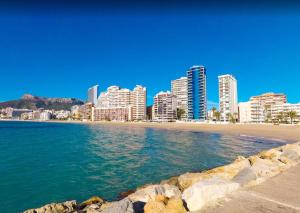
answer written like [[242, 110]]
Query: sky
[[61, 53]]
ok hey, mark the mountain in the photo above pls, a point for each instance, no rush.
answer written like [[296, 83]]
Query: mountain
[[29, 101]]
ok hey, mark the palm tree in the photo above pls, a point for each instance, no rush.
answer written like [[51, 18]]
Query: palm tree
[[231, 118], [292, 115], [180, 112], [217, 114], [280, 117]]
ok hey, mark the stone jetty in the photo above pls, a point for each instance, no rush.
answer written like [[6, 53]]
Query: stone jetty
[[191, 192]]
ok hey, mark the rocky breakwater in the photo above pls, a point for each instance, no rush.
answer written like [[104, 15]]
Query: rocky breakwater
[[191, 192]]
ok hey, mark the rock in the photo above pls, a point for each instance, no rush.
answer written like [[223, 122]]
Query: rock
[[265, 168], [154, 206], [271, 154], [125, 194], [162, 204], [224, 172], [90, 201], [93, 208], [290, 154], [207, 191], [123, 206], [65, 207], [175, 205], [161, 198], [170, 181], [150, 192], [245, 177]]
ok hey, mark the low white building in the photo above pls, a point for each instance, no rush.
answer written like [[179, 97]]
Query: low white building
[[45, 115], [244, 109]]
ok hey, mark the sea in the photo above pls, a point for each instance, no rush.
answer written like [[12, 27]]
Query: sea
[[44, 162]]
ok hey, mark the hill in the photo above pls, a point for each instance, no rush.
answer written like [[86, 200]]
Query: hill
[[29, 101]]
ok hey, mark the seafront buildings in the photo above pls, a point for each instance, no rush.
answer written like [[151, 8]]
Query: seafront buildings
[[264, 108], [228, 98], [197, 100], [121, 104], [138, 101], [261, 106], [179, 88], [93, 94], [164, 107]]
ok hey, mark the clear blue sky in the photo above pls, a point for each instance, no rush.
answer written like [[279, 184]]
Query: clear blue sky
[[62, 53]]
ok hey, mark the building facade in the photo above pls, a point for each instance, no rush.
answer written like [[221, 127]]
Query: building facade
[[197, 100], [113, 114], [244, 110], [138, 102], [228, 98], [179, 88], [261, 106], [117, 99], [285, 109], [93, 94], [164, 107]]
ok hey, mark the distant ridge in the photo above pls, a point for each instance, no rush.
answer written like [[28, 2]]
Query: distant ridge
[[29, 101]]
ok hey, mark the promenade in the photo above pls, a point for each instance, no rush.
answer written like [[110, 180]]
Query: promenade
[[279, 194]]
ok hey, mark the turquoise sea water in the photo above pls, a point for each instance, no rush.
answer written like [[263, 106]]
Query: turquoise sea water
[[52, 162]]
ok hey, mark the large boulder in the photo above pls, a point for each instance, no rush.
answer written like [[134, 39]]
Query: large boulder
[[272, 154], [291, 152], [123, 206], [264, 167], [206, 192], [65, 207], [175, 205], [162, 204], [150, 192], [92, 200], [245, 177], [224, 172]]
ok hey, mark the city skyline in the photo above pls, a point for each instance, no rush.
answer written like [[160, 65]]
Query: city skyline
[[147, 49]]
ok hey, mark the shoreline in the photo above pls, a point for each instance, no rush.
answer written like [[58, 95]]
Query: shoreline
[[196, 191], [285, 133]]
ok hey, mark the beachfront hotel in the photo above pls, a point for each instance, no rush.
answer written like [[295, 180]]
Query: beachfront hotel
[[228, 99], [93, 94], [261, 108], [261, 105], [164, 107], [197, 100], [121, 104], [179, 89]]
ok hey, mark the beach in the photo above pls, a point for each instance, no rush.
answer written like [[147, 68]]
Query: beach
[[289, 133]]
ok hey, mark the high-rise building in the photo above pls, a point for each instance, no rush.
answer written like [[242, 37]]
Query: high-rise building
[[138, 102], [179, 88], [197, 101], [93, 94], [116, 99], [228, 99], [164, 107], [261, 106]]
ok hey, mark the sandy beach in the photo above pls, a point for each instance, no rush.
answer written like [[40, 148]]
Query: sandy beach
[[290, 133]]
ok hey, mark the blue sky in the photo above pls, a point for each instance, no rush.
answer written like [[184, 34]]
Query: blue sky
[[62, 53]]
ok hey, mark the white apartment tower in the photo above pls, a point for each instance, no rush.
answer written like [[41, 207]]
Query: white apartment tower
[[138, 102], [179, 88], [228, 98], [93, 94], [117, 98]]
